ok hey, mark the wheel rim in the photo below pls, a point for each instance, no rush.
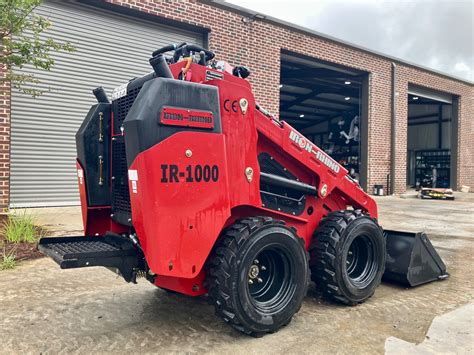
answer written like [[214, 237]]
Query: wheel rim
[[360, 261], [269, 280]]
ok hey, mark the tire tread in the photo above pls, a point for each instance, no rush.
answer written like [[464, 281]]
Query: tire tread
[[218, 280], [218, 272], [323, 253]]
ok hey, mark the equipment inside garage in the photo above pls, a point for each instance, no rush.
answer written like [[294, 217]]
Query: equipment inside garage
[[323, 101], [429, 141]]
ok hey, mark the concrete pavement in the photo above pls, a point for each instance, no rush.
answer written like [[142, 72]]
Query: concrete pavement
[[45, 309]]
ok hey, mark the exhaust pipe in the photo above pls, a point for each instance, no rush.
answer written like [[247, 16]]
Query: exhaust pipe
[[160, 67], [412, 260], [100, 95]]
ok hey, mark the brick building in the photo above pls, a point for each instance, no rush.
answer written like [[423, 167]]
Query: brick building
[[412, 124]]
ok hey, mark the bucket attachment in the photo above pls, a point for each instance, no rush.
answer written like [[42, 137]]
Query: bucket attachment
[[411, 259]]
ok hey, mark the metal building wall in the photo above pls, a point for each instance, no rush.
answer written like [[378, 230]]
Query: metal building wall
[[110, 50]]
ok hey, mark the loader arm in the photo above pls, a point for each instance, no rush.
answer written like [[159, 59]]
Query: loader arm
[[332, 178]]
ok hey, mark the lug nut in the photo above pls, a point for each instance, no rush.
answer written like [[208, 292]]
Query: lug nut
[[259, 280], [255, 261], [250, 282], [263, 268]]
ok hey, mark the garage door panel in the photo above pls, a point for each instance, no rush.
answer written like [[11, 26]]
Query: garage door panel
[[110, 50]]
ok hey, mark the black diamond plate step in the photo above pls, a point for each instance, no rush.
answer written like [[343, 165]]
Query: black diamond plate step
[[110, 251]]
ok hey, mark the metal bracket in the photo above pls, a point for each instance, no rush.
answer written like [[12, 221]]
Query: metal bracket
[[101, 120]]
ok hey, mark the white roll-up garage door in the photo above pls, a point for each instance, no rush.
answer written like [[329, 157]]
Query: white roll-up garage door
[[110, 50], [430, 94]]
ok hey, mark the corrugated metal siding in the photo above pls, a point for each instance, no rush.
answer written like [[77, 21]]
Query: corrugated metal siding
[[110, 50]]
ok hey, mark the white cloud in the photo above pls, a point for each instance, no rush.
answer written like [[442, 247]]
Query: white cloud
[[433, 33], [461, 67]]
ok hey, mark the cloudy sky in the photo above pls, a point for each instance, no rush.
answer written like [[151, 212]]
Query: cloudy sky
[[433, 33]]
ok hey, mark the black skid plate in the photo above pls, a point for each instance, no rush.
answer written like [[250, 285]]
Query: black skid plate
[[110, 251]]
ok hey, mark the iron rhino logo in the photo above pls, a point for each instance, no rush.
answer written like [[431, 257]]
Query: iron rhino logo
[[309, 147]]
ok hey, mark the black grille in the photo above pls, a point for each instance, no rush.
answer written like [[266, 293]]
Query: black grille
[[122, 211], [120, 192], [122, 106]]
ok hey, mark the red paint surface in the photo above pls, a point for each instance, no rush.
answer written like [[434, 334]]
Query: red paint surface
[[95, 219], [178, 223]]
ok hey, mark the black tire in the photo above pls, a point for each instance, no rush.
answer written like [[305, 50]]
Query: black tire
[[347, 256], [257, 275]]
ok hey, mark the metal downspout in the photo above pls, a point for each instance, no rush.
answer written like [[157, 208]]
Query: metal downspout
[[393, 129]]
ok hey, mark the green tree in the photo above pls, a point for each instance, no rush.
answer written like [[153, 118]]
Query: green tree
[[23, 43]]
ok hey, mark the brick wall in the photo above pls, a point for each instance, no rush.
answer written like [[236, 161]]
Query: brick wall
[[4, 140], [465, 162], [258, 44]]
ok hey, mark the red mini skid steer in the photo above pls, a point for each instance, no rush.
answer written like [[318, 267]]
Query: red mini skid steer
[[186, 181]]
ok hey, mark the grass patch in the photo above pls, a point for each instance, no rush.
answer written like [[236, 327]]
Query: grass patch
[[18, 237], [8, 260], [20, 228]]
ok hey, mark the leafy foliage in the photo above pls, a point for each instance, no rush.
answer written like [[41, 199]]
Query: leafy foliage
[[23, 42]]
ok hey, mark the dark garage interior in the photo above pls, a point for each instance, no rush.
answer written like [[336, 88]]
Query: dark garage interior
[[430, 135], [326, 103]]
